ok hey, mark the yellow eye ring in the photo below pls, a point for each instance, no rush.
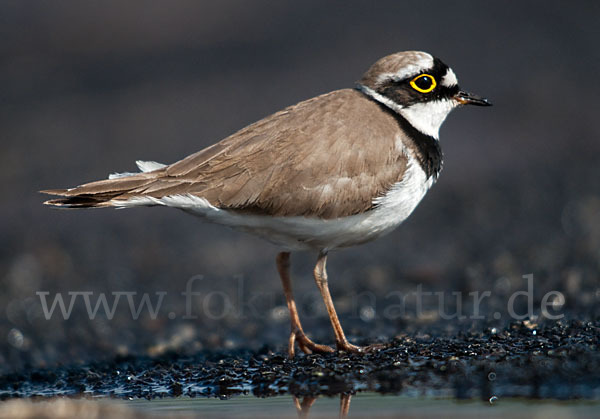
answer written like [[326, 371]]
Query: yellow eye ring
[[423, 83]]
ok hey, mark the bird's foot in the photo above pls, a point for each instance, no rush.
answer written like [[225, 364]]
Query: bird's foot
[[309, 347], [348, 347], [305, 344]]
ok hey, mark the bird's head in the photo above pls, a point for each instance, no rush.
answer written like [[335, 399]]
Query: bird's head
[[419, 87]]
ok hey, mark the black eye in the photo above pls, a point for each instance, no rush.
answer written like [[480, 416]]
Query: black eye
[[423, 83]]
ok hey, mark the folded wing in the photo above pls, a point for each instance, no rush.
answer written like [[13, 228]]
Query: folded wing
[[327, 157]]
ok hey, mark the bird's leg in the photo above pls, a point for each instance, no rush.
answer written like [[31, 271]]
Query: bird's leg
[[303, 408], [320, 273], [344, 405], [341, 342], [297, 334]]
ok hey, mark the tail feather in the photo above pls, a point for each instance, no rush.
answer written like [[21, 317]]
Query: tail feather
[[149, 166], [78, 202], [144, 166], [101, 193]]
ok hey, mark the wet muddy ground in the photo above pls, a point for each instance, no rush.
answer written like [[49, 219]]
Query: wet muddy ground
[[558, 361]]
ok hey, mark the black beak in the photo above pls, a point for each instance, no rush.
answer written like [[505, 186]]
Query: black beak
[[465, 98]]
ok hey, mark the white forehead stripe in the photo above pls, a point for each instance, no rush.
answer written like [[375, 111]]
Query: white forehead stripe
[[449, 79], [420, 61]]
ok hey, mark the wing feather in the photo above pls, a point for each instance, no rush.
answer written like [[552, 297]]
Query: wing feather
[[328, 157]]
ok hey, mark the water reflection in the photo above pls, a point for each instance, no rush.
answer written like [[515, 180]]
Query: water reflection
[[364, 404], [303, 407]]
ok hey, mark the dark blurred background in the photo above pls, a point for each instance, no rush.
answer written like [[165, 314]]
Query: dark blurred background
[[88, 88]]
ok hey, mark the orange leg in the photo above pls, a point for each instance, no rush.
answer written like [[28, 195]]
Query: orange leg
[[320, 274], [303, 408], [297, 335], [344, 405]]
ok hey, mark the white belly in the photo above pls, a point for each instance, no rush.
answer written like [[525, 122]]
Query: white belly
[[302, 233]]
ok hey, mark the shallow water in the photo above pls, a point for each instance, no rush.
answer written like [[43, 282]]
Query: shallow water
[[365, 404]]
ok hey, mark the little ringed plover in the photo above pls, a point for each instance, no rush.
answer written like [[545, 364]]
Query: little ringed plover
[[337, 170]]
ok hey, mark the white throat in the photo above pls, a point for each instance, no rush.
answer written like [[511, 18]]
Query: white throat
[[427, 117]]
